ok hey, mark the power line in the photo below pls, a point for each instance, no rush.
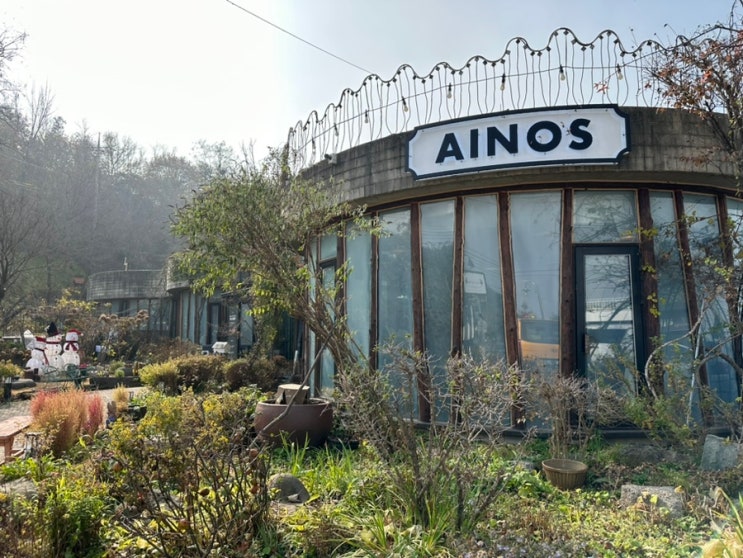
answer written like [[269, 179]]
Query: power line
[[264, 20]]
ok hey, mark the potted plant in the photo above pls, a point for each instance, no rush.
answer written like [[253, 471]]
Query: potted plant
[[563, 400]]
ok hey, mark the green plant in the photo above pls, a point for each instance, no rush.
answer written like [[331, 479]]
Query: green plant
[[13, 352], [449, 463], [162, 375], [9, 370], [263, 372], [35, 469], [728, 542], [72, 511], [199, 372], [188, 477]]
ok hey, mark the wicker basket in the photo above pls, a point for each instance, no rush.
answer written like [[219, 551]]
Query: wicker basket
[[565, 473]]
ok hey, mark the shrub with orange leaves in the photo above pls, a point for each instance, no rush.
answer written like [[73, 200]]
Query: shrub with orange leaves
[[63, 416]]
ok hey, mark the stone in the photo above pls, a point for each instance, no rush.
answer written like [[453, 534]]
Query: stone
[[634, 495], [287, 488], [719, 453], [24, 488]]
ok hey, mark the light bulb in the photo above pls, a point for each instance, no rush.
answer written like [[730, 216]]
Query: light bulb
[[404, 105], [619, 73], [562, 74], [366, 117], [448, 92], [503, 83]]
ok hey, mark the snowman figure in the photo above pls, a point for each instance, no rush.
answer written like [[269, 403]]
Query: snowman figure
[[71, 348], [38, 356], [53, 348]]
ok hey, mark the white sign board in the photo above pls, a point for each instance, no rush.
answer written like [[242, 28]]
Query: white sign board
[[594, 134]]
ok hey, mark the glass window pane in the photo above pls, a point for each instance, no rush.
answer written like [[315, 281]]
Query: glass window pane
[[535, 237], [328, 246], [604, 216], [706, 253], [395, 287], [672, 306], [327, 365], [437, 247], [482, 309], [358, 288], [395, 312]]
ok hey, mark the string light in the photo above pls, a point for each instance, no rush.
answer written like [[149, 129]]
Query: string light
[[366, 116], [562, 73], [619, 72], [404, 105], [503, 82], [448, 92]]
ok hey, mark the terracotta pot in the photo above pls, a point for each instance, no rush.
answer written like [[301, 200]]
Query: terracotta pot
[[310, 422]]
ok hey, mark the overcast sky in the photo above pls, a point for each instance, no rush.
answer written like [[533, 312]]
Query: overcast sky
[[172, 72]]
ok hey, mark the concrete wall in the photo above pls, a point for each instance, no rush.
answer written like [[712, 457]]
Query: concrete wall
[[117, 285], [663, 143]]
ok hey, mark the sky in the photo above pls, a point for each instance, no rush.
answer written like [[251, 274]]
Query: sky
[[170, 73]]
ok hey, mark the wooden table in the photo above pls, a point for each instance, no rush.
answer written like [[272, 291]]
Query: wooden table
[[9, 428]]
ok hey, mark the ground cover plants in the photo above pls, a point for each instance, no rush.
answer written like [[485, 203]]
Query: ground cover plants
[[189, 479]]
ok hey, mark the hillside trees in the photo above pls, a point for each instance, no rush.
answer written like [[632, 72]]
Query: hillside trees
[[73, 204]]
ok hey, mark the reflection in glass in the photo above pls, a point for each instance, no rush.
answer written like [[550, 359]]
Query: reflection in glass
[[482, 309], [735, 219], [609, 340], [601, 217], [437, 247], [671, 304], [535, 238], [706, 253]]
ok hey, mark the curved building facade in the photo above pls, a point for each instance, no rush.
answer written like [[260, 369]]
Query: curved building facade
[[572, 240]]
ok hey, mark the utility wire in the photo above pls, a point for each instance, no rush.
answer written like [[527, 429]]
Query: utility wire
[[264, 20]]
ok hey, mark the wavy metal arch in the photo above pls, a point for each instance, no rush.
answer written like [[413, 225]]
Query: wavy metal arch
[[566, 71]]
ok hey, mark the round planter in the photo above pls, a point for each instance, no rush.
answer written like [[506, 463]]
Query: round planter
[[310, 422], [565, 473]]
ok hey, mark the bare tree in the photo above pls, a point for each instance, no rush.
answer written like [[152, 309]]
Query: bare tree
[[20, 243]]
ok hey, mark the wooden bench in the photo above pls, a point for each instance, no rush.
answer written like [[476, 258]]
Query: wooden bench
[[9, 429]]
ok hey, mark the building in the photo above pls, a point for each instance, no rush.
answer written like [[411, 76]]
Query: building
[[544, 208]]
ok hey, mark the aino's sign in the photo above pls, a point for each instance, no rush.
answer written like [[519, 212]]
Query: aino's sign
[[595, 134]]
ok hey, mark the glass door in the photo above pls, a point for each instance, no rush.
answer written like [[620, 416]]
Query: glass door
[[609, 320]]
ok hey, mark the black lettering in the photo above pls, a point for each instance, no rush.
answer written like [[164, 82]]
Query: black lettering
[[511, 143], [449, 148], [578, 130], [474, 140], [531, 136]]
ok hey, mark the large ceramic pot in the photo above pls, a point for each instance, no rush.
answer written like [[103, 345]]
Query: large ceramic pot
[[565, 473], [309, 422]]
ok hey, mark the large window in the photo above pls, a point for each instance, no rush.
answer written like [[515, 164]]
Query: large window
[[706, 252], [437, 246], [395, 286], [535, 238], [482, 305], [601, 216], [358, 288]]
